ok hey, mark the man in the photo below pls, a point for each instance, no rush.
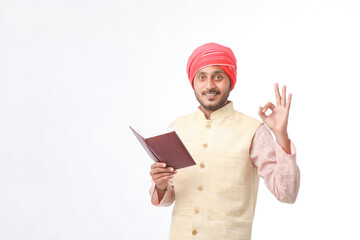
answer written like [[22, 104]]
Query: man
[[216, 198]]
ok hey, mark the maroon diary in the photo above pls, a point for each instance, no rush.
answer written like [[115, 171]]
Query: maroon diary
[[168, 148]]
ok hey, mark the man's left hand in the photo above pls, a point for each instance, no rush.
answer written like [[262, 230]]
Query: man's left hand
[[277, 121]]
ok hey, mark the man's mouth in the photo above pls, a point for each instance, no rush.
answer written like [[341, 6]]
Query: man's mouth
[[211, 93]]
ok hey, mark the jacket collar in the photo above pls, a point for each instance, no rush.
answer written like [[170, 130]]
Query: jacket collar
[[220, 113]]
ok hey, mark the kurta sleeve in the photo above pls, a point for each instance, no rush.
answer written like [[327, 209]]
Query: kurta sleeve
[[168, 198], [278, 169]]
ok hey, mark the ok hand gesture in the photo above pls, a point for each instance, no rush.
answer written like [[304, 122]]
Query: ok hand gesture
[[277, 121]]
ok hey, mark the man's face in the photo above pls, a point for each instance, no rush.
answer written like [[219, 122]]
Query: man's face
[[212, 87]]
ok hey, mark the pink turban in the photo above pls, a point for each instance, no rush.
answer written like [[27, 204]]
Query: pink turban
[[212, 54]]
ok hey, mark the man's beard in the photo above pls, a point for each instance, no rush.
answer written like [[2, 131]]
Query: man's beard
[[221, 103]]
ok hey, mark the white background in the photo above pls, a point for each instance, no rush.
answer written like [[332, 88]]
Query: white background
[[75, 74]]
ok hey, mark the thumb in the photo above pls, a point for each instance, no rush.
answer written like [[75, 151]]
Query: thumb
[[261, 113]]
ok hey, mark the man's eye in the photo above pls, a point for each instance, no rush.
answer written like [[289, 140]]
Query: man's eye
[[218, 77], [201, 77]]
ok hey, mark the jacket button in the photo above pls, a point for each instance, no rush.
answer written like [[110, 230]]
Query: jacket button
[[205, 145], [196, 210], [194, 232], [208, 126], [200, 188], [202, 165]]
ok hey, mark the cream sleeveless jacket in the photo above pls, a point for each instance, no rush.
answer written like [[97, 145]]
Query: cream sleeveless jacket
[[216, 198]]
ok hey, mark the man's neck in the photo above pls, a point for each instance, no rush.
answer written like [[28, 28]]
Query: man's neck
[[208, 113]]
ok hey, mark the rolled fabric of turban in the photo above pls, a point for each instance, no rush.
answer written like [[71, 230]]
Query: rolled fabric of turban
[[212, 54]]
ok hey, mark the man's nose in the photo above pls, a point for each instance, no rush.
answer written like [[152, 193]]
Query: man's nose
[[210, 84]]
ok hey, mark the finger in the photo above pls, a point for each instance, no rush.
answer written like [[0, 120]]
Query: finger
[[267, 106], [289, 102], [153, 166], [283, 97], [158, 165], [161, 170], [156, 172], [261, 114], [277, 94], [160, 176]]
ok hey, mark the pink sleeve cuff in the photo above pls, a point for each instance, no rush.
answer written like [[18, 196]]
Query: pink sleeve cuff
[[286, 162], [287, 174], [168, 198], [279, 149]]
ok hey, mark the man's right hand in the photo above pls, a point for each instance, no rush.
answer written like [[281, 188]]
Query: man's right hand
[[161, 175]]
